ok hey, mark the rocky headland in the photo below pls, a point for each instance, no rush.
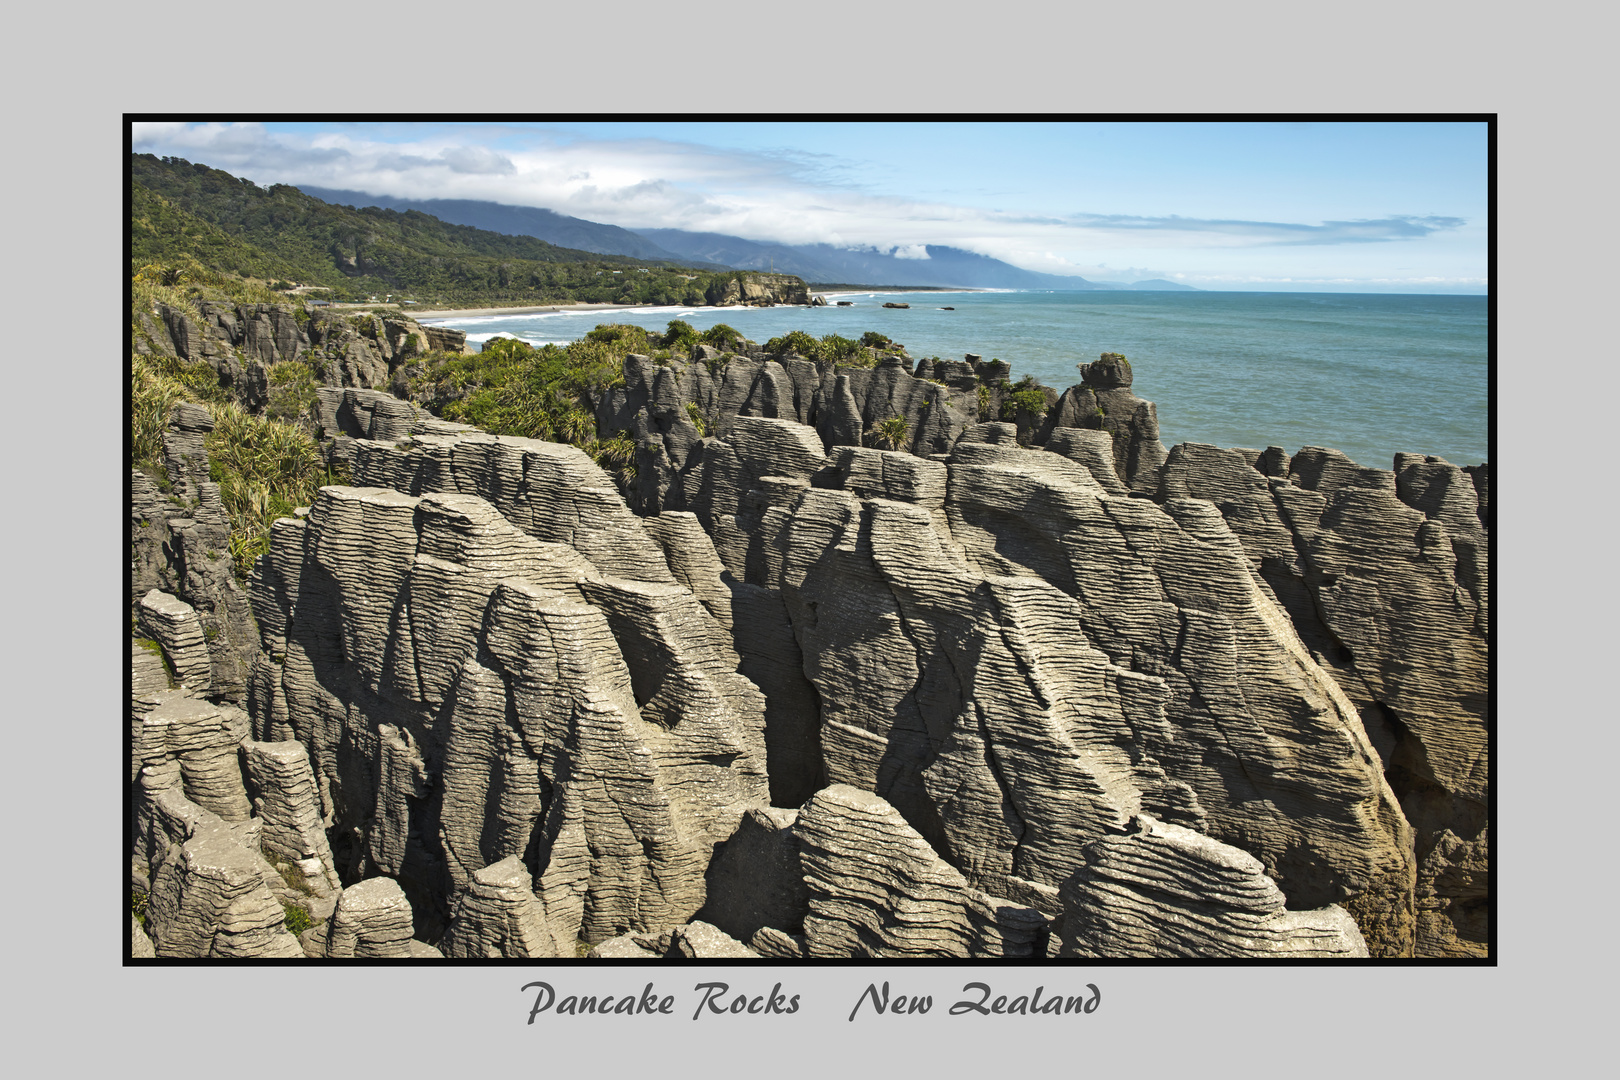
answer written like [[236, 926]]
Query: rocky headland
[[897, 659]]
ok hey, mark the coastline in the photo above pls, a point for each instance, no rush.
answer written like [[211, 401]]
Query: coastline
[[544, 309], [551, 309]]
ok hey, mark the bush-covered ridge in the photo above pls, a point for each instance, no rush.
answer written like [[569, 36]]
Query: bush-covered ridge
[[184, 213]]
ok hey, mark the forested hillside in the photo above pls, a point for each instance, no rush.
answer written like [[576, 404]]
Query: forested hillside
[[185, 213]]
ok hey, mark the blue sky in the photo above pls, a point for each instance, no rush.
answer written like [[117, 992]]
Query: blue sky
[[1397, 207]]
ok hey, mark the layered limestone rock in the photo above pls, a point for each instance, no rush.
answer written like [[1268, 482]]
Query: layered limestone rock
[[140, 946], [173, 623], [621, 845], [281, 785], [507, 697], [756, 878], [777, 944], [209, 898], [241, 341], [1276, 754], [1165, 891], [700, 941], [185, 458], [372, 919], [670, 407], [498, 915], [878, 890], [969, 702], [1104, 401], [623, 947], [149, 684], [520, 715], [202, 739], [863, 398], [755, 289], [180, 539], [1385, 576]]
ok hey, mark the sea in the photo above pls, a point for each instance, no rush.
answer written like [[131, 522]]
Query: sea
[[1369, 374]]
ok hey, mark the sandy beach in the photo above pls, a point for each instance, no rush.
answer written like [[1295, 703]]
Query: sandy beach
[[460, 313]]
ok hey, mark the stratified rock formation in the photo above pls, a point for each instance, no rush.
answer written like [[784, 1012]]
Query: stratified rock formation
[[241, 341], [1168, 891], [499, 916], [1026, 685], [372, 919], [210, 898], [1386, 577], [877, 889]]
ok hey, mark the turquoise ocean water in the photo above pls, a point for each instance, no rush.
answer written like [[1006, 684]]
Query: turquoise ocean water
[[1371, 375]]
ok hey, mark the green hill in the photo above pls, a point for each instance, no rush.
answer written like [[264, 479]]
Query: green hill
[[183, 211]]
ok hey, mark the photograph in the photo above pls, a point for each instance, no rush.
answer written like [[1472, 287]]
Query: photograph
[[1026, 541]]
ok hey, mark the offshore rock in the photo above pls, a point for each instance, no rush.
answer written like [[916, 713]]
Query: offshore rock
[[1165, 891]]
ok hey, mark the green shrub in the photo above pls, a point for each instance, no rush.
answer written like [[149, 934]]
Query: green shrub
[[633, 338], [1027, 395], [722, 336], [831, 347], [137, 906], [680, 335], [795, 341], [696, 416], [890, 434]]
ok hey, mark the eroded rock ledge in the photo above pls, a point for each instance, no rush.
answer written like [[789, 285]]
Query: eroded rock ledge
[[1034, 688]]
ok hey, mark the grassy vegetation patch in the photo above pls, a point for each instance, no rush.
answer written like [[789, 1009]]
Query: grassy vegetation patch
[[295, 919], [264, 468]]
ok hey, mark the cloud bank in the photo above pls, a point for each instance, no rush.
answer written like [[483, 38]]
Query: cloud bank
[[779, 195]]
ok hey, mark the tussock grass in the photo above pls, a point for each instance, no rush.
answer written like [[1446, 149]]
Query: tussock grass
[[152, 393], [890, 434], [264, 468]]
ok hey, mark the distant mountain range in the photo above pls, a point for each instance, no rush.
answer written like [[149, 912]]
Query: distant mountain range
[[547, 225], [944, 266]]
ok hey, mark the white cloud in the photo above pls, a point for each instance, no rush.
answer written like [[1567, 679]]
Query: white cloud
[[783, 196]]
